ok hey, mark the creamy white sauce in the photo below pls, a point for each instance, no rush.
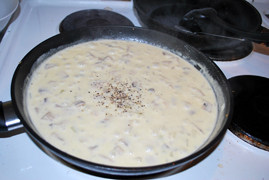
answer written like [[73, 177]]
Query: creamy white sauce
[[121, 103]]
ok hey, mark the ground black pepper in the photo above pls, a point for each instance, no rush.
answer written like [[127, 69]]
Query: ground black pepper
[[124, 95]]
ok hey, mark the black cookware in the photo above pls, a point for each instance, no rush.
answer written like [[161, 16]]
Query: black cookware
[[58, 42], [222, 29]]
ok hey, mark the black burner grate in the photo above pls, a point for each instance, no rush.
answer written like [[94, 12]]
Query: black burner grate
[[251, 109]]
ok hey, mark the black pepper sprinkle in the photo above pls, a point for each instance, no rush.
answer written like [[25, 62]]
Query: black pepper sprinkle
[[125, 96]]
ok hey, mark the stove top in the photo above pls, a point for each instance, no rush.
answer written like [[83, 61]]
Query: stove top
[[36, 21]]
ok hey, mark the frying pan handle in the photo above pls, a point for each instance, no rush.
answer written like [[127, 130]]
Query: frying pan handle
[[252, 36], [199, 20], [8, 119]]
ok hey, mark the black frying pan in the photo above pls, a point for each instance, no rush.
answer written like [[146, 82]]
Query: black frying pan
[[222, 29], [58, 42]]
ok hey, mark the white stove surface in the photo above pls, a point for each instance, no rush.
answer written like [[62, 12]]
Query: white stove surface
[[21, 158]]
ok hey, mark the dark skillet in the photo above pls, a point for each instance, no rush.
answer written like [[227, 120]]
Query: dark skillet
[[222, 29], [58, 42]]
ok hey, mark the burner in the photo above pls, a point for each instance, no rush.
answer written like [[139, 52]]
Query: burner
[[251, 109], [93, 17]]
